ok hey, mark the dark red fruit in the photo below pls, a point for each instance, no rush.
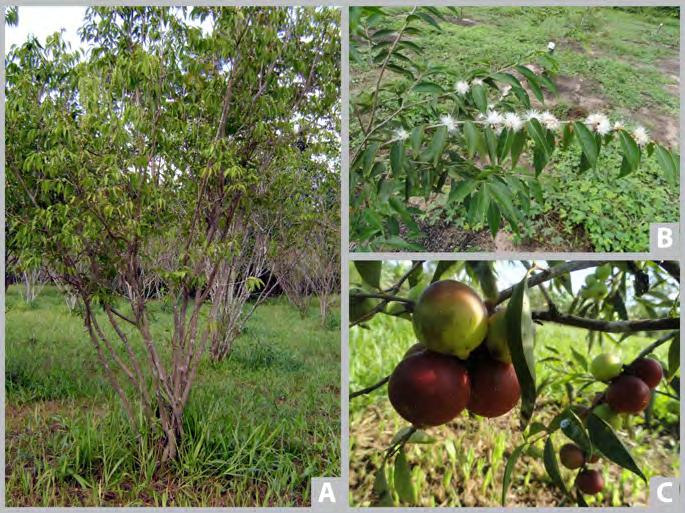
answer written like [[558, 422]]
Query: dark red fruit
[[628, 394], [590, 481], [494, 388], [429, 389], [648, 370], [571, 456]]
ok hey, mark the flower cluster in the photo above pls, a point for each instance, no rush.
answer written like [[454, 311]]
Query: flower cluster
[[599, 123]]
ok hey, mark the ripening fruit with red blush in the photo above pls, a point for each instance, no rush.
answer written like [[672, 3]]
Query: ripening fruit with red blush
[[628, 394], [571, 456], [495, 388], [429, 389], [590, 481], [648, 370]]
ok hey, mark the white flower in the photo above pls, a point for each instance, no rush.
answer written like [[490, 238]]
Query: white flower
[[619, 125], [491, 106], [641, 136], [449, 122], [549, 121], [494, 118], [401, 134], [533, 114], [477, 81], [551, 46], [505, 90], [599, 123], [462, 87], [512, 121]]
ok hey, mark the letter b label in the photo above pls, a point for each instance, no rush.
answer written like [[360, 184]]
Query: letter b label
[[664, 240]]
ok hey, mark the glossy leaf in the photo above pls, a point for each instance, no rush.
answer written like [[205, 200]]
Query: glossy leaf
[[605, 439], [521, 341], [587, 142], [370, 271], [552, 465]]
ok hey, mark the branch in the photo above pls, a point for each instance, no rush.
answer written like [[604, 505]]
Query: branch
[[391, 291], [608, 326], [550, 274], [651, 347], [387, 297], [370, 389]]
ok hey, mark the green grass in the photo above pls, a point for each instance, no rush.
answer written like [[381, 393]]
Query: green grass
[[258, 425], [465, 466], [625, 63]]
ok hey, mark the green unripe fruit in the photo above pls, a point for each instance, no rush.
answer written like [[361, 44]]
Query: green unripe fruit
[[359, 307], [496, 340], [604, 412], [450, 318], [605, 367], [590, 280]]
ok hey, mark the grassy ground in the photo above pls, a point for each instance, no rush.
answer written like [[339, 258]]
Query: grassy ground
[[621, 62], [258, 425], [466, 464]]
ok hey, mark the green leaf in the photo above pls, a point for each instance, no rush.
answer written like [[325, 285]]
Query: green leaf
[[673, 357], [504, 201], [438, 144], [415, 139], [396, 158], [509, 469], [517, 144], [403, 482], [429, 19], [368, 157], [537, 133], [491, 143], [483, 270], [442, 267], [401, 70], [533, 82], [521, 342], [667, 163], [370, 271], [579, 358], [547, 82], [474, 140], [494, 218], [428, 87], [552, 465], [480, 97], [587, 143], [604, 438], [507, 78], [478, 206], [459, 191], [381, 488], [406, 216], [417, 437], [631, 153]]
